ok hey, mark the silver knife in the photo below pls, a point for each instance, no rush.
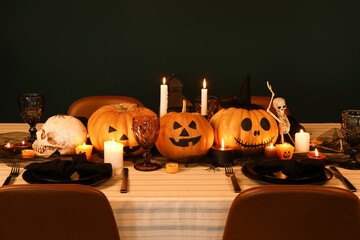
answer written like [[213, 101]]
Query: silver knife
[[343, 179], [124, 175]]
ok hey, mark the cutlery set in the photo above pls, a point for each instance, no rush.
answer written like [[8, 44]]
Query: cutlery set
[[229, 172]]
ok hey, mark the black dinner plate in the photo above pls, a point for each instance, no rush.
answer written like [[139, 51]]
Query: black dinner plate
[[279, 178], [35, 178]]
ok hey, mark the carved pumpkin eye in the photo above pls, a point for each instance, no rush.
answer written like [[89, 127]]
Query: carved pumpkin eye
[[246, 124], [124, 137], [192, 125], [111, 129], [177, 125], [265, 124]]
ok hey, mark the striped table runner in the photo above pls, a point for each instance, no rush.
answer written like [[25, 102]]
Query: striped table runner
[[192, 204]]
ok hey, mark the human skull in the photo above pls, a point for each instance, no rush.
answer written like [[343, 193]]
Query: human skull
[[59, 133], [280, 106]]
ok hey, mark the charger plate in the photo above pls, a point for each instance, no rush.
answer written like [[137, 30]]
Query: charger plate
[[95, 179], [278, 177]]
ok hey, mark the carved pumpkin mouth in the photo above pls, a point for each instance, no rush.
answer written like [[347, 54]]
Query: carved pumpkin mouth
[[253, 145], [286, 155], [184, 142], [127, 149]]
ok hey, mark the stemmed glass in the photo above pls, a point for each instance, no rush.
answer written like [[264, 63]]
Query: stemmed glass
[[350, 127], [31, 106], [146, 130]]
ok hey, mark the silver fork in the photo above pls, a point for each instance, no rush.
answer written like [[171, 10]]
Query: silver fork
[[229, 171], [15, 170]]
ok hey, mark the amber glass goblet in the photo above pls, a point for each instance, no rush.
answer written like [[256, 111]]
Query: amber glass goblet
[[146, 131], [31, 106], [350, 127], [213, 106]]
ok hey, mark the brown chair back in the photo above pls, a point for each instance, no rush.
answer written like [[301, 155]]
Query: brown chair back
[[84, 107], [55, 212], [294, 212]]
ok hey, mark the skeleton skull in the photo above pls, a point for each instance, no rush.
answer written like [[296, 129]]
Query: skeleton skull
[[59, 133], [280, 106]]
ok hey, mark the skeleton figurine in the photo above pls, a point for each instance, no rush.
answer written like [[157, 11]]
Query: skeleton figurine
[[280, 106], [60, 133]]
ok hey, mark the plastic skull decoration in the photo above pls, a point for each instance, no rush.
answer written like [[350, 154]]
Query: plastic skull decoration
[[60, 133], [280, 106]]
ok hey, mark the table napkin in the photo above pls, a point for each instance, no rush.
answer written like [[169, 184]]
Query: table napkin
[[65, 168], [293, 168]]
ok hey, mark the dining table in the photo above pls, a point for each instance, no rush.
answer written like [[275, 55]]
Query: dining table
[[190, 204]]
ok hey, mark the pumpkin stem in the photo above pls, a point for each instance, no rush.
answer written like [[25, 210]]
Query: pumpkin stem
[[184, 106], [121, 107]]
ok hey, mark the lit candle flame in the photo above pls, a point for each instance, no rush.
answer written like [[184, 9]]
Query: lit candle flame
[[23, 142], [284, 144], [164, 80], [271, 145], [222, 143], [8, 145], [301, 131], [84, 145], [316, 152], [204, 83], [113, 143]]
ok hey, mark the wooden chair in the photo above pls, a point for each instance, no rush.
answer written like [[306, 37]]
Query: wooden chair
[[84, 107], [56, 212], [294, 212]]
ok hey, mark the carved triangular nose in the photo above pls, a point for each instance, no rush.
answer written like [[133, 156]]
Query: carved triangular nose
[[184, 133]]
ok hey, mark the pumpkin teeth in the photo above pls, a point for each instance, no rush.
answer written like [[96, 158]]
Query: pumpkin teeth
[[253, 145]]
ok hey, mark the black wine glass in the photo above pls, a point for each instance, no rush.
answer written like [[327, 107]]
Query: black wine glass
[[350, 127], [146, 131], [31, 106]]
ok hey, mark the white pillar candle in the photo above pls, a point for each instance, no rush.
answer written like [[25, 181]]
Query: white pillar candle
[[113, 153], [302, 141], [163, 98], [204, 92]]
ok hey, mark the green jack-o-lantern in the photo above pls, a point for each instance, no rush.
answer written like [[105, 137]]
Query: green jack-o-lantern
[[184, 136], [248, 131], [115, 122]]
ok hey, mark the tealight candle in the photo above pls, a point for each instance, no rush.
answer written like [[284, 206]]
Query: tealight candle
[[163, 98], [27, 153], [83, 148], [204, 93], [8, 147], [270, 152], [284, 151], [22, 145], [172, 167], [316, 155], [222, 154], [113, 153], [302, 141]]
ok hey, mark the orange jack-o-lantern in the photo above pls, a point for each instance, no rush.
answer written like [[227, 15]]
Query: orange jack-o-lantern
[[284, 151], [248, 131], [184, 136], [115, 122]]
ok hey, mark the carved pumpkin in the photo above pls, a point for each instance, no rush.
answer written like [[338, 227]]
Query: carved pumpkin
[[246, 130], [115, 122], [184, 136]]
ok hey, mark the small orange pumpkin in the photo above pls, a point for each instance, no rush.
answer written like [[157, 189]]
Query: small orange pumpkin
[[115, 122], [246, 130], [184, 136]]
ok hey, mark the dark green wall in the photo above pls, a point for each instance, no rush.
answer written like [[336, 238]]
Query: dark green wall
[[308, 50]]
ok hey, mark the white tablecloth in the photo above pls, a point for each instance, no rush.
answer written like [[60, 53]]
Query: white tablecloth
[[192, 204]]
